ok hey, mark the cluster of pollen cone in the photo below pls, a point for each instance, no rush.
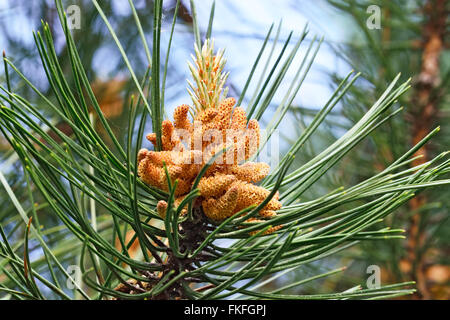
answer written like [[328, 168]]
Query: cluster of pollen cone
[[213, 127]]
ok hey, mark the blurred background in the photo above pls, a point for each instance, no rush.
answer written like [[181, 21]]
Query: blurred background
[[377, 38]]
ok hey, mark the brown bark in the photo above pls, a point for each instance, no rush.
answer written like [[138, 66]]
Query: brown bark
[[184, 14], [425, 109]]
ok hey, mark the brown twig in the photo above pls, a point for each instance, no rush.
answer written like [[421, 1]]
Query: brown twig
[[425, 108]]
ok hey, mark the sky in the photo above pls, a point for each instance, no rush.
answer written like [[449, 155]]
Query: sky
[[240, 28]]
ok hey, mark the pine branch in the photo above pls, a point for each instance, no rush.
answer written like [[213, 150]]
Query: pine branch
[[180, 256]]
